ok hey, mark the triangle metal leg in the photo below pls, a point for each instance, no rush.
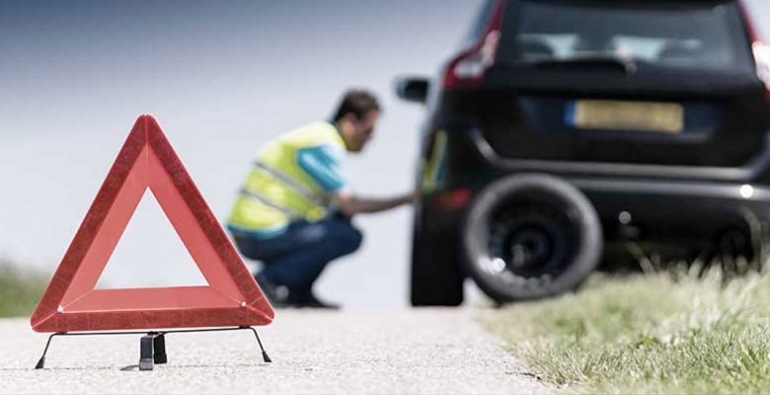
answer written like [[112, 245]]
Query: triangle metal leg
[[41, 361]]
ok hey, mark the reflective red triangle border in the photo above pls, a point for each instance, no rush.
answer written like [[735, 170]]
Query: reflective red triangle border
[[71, 303]]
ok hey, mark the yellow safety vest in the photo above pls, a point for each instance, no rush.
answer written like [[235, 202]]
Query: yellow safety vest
[[278, 190]]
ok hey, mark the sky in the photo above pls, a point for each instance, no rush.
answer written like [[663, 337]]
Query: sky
[[222, 78]]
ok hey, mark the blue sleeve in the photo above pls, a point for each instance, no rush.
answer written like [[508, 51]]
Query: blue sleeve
[[325, 164]]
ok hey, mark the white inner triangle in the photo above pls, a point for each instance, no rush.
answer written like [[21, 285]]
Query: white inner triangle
[[150, 253]]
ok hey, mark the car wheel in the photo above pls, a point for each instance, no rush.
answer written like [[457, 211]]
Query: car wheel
[[530, 236], [436, 276]]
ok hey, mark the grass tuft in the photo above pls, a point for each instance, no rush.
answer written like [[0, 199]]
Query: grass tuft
[[20, 290], [647, 334]]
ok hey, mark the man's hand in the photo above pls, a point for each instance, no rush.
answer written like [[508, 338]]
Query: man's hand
[[350, 205]]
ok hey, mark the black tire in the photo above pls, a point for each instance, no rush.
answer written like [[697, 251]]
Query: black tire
[[530, 236], [436, 276]]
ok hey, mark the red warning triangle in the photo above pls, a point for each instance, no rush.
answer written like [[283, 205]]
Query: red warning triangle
[[71, 303]]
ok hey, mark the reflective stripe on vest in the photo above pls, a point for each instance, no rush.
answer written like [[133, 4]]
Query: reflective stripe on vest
[[285, 210], [293, 184]]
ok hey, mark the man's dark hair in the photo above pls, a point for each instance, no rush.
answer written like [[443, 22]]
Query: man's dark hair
[[358, 102]]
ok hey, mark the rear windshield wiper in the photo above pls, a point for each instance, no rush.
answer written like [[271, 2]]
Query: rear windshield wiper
[[626, 65]]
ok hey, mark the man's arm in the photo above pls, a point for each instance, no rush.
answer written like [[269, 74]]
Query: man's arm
[[351, 205]]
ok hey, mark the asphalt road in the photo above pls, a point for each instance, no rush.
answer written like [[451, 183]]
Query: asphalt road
[[408, 351]]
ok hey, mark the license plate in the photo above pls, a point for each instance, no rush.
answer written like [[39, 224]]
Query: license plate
[[624, 115]]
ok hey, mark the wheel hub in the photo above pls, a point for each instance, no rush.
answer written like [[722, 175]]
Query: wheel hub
[[529, 247]]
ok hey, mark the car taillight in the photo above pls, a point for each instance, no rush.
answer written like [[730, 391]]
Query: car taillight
[[762, 58], [453, 200], [467, 69], [759, 49]]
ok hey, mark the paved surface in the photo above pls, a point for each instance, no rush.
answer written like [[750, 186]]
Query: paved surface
[[410, 351]]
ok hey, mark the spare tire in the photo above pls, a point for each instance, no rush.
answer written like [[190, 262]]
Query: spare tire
[[530, 236]]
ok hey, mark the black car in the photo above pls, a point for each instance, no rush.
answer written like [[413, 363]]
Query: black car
[[568, 133]]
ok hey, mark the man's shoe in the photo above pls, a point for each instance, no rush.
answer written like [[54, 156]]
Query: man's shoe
[[312, 302], [277, 295]]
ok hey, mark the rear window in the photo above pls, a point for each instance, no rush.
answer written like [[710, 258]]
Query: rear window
[[665, 34]]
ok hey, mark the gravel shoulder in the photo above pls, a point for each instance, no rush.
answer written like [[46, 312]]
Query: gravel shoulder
[[427, 351]]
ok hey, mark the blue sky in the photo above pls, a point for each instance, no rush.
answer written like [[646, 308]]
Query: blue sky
[[222, 78]]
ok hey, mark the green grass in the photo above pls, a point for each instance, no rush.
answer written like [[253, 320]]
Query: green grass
[[20, 290], [647, 334]]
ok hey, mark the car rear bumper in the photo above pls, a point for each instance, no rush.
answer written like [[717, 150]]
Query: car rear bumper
[[687, 206], [690, 213]]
